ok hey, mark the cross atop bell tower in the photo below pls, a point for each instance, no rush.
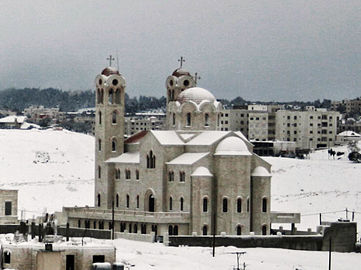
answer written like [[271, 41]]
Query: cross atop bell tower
[[181, 60], [110, 58]]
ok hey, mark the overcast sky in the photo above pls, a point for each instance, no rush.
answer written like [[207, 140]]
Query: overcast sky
[[260, 50]]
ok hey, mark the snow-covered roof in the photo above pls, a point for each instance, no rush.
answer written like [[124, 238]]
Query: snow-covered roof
[[201, 171], [128, 157], [187, 158], [196, 94], [167, 137], [232, 146], [349, 133], [26, 125], [207, 137], [12, 118], [260, 171]]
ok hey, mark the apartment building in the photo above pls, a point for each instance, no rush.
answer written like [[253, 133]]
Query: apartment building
[[138, 123], [315, 128]]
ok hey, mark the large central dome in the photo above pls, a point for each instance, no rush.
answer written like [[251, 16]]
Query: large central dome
[[196, 94]]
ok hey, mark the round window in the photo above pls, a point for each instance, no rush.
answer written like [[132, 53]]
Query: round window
[[115, 82], [186, 83]]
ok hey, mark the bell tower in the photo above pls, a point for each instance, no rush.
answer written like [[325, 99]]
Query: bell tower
[[109, 131]]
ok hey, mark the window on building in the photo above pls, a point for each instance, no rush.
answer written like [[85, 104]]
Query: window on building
[[182, 176], [114, 145], [173, 121], [150, 160], [264, 229], [170, 203], [248, 205], [79, 223], [225, 205], [99, 145], [239, 205], [137, 201], [170, 176], [117, 174], [137, 174], [127, 201], [117, 96], [239, 229], [98, 200], [181, 203], [100, 118], [205, 204], [127, 174], [189, 119], [98, 258], [117, 200], [111, 96], [206, 119], [114, 117], [264, 205], [205, 230]]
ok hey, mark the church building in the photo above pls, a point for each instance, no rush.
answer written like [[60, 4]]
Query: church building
[[190, 178]]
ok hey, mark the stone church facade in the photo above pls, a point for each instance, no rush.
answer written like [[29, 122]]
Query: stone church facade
[[190, 178]]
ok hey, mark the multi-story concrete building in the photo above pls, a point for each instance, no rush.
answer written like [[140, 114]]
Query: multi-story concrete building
[[309, 129], [191, 178], [350, 105], [9, 206], [137, 123]]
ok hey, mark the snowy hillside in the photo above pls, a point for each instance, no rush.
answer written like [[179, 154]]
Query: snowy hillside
[[49, 168]]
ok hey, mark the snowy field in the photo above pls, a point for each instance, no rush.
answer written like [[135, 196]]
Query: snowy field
[[52, 169]]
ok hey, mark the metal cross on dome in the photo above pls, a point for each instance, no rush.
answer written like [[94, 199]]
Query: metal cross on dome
[[110, 58], [181, 60]]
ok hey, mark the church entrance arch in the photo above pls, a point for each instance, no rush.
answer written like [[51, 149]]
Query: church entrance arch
[[149, 202]]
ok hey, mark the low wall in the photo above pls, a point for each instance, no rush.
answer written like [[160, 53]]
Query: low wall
[[81, 232], [136, 236], [342, 234]]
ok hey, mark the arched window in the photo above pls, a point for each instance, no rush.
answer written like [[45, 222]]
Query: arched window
[[206, 119], [100, 118], [173, 120], [264, 205], [117, 174], [205, 204], [99, 172], [135, 228], [264, 229], [111, 97], [205, 230], [117, 96], [127, 201], [127, 174], [117, 201], [114, 117], [99, 145], [189, 119], [130, 228], [150, 160], [175, 230], [182, 176], [172, 95], [137, 201], [248, 206], [98, 200], [170, 203], [114, 145], [151, 203], [239, 230], [181, 203], [225, 205], [239, 205], [137, 174], [95, 224], [102, 96], [98, 95], [79, 223], [170, 176], [170, 230]]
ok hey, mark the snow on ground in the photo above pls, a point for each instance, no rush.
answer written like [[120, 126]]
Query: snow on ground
[[50, 168], [56, 168], [317, 185]]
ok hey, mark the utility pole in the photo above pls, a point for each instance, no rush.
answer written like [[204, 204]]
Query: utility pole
[[320, 219], [346, 214]]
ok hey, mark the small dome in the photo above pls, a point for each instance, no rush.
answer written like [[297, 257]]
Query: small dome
[[196, 94], [260, 171], [232, 146], [109, 71], [201, 171], [180, 72]]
